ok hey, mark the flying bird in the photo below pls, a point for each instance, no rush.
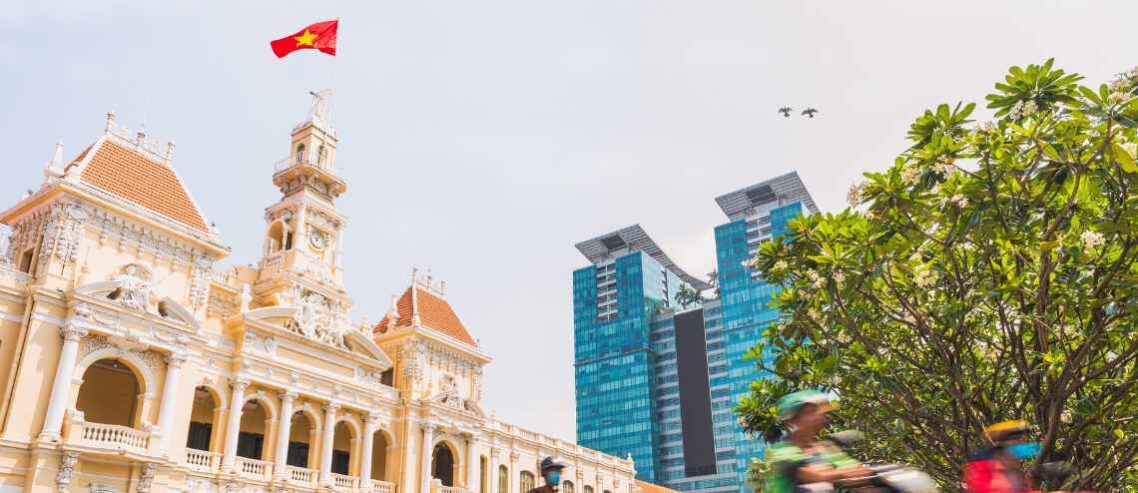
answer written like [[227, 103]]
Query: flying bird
[[785, 110], [809, 112]]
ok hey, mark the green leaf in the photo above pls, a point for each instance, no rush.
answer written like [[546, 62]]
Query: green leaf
[[1125, 159]]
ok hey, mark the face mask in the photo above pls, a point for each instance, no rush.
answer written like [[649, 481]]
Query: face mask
[[1024, 451], [555, 478]]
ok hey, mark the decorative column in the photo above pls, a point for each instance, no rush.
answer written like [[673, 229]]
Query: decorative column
[[61, 387], [284, 430], [174, 364], [425, 457], [326, 447], [493, 473], [472, 462], [368, 450], [515, 474], [233, 423]]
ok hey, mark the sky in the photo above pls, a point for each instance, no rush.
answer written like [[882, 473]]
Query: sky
[[482, 140]]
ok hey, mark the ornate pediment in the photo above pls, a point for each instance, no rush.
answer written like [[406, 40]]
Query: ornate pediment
[[319, 318]]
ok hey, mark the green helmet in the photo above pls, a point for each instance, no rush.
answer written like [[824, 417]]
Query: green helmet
[[790, 403]]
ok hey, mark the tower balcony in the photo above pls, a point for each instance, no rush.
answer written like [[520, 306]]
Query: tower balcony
[[303, 165]]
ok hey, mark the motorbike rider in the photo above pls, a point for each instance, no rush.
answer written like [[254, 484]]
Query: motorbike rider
[[551, 472], [998, 468], [799, 459]]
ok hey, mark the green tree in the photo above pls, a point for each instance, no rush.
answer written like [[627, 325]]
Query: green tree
[[687, 296], [988, 274]]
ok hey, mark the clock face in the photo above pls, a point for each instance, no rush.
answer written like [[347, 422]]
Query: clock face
[[318, 240]]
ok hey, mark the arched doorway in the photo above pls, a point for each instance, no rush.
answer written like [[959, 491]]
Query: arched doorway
[[442, 464], [110, 394], [200, 436], [379, 456], [342, 448], [300, 437], [254, 427]]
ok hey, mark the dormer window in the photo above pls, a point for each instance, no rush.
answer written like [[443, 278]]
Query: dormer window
[[26, 261], [299, 153]]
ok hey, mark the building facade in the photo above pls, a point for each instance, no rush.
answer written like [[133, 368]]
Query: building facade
[[685, 366], [133, 362]]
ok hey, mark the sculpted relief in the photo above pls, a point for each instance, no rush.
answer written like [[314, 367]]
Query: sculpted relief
[[319, 318]]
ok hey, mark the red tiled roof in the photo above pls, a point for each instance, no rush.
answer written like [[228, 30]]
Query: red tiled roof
[[434, 313], [127, 174], [653, 488]]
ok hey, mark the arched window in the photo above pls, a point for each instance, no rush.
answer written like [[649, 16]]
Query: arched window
[[527, 481], [588, 489], [300, 153], [342, 438], [110, 393], [201, 420], [567, 486], [503, 479], [443, 464], [302, 433]]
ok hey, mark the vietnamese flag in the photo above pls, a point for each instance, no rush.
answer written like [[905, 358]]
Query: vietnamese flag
[[320, 36]]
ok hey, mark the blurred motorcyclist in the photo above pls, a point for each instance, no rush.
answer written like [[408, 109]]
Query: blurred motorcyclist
[[998, 468], [551, 472], [799, 458]]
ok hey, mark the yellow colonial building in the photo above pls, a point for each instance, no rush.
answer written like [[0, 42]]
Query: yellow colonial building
[[131, 361]]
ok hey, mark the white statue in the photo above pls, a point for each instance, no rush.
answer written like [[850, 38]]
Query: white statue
[[134, 288]]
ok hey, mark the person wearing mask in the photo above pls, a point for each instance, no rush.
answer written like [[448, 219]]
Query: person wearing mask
[[551, 473], [999, 468], [799, 460]]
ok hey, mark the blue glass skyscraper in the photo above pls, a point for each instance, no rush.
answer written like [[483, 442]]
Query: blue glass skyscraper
[[660, 382], [614, 300], [756, 214]]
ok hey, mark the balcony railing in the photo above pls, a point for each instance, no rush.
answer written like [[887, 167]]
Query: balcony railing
[[378, 486], [252, 468], [451, 489], [300, 475], [303, 159], [115, 437], [200, 460], [13, 277], [342, 482]]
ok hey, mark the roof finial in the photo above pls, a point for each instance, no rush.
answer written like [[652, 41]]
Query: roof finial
[[140, 137], [54, 170], [169, 150], [110, 122], [319, 113]]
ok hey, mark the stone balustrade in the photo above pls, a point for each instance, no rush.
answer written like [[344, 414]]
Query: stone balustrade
[[201, 460], [252, 468]]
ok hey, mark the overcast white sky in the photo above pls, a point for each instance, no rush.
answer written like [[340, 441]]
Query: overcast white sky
[[484, 138]]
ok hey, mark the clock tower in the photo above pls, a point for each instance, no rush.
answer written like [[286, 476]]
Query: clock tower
[[301, 257]]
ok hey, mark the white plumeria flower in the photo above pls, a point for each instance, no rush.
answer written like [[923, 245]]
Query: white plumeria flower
[[1030, 107], [854, 195], [909, 174], [1091, 241], [781, 266], [958, 200], [839, 277], [1016, 111], [925, 278]]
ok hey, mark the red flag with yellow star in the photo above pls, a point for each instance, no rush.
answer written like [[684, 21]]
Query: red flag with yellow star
[[320, 36]]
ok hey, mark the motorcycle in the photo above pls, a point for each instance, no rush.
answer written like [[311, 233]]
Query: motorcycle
[[883, 478]]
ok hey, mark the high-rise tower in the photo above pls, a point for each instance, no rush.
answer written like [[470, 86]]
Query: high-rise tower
[[661, 381]]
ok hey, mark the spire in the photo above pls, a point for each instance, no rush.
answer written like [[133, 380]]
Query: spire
[[54, 169], [415, 319], [319, 112]]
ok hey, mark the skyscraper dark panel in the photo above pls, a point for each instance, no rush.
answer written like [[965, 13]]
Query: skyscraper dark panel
[[695, 394]]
